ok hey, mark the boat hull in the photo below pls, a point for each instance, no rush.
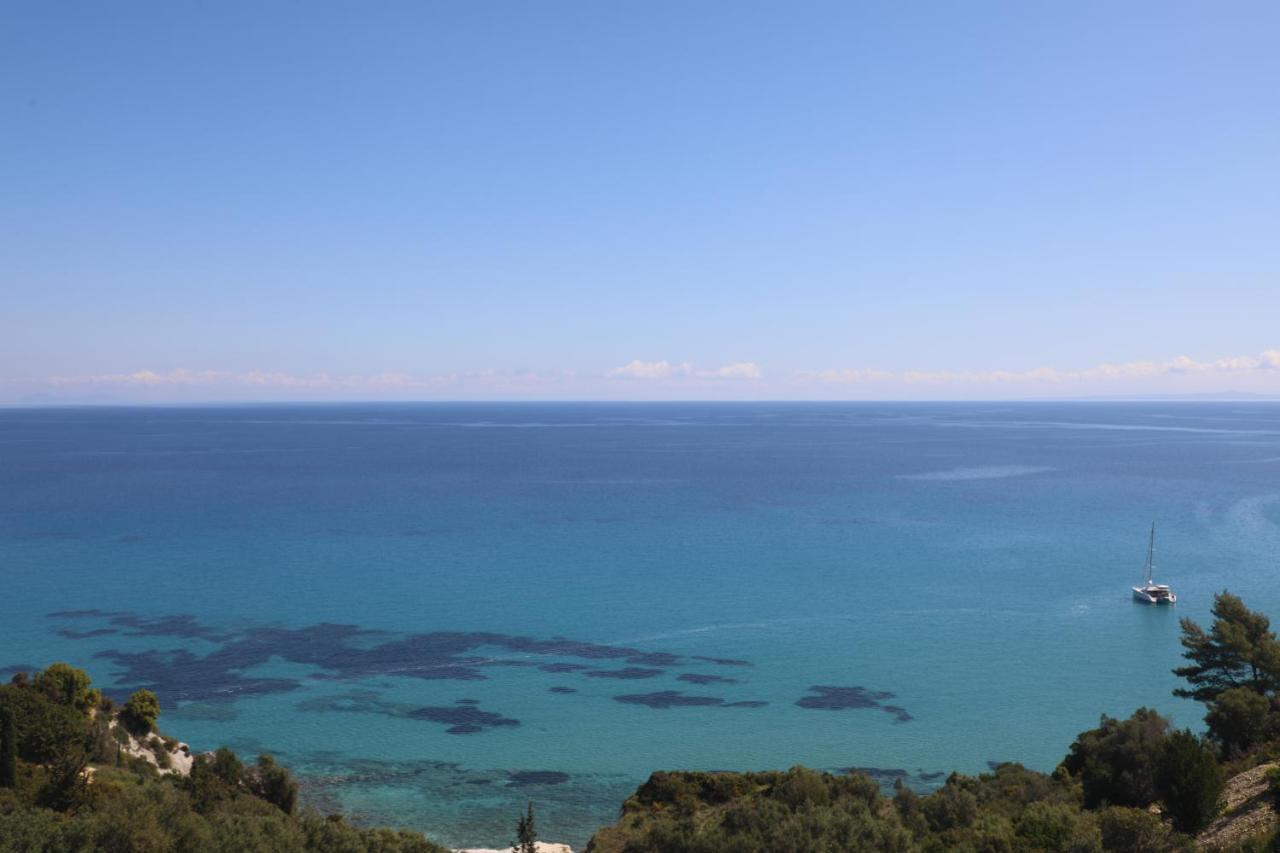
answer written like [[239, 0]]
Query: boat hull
[[1141, 595]]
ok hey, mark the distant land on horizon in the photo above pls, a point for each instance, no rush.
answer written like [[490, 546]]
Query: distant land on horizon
[[1207, 397]]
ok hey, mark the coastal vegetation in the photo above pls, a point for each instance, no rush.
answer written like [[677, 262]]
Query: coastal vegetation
[[79, 773]]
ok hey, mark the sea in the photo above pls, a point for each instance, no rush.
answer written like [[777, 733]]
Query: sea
[[438, 613]]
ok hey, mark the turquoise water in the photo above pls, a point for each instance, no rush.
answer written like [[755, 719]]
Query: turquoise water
[[386, 596]]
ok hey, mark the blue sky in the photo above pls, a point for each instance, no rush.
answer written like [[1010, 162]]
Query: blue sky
[[417, 200]]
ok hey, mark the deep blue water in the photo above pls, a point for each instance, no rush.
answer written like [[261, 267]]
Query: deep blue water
[[436, 612]]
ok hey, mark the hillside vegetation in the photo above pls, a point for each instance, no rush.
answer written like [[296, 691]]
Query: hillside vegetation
[[78, 773]]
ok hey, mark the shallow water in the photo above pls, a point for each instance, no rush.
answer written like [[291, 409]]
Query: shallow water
[[436, 612]]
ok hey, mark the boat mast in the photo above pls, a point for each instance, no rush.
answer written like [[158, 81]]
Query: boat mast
[[1151, 554]]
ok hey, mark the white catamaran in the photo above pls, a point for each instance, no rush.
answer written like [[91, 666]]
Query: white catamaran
[[1151, 592]]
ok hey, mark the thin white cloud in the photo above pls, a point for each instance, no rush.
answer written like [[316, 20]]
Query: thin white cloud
[[638, 369], [738, 370], [1258, 373], [144, 378], [181, 377], [1265, 362]]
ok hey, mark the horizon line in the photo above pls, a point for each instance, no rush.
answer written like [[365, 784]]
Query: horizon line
[[1208, 397]]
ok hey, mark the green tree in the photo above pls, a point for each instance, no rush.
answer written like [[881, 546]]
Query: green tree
[[43, 726], [214, 779], [1239, 719], [66, 787], [66, 685], [951, 806], [271, 782], [1116, 762], [1189, 782], [526, 834], [1239, 650], [141, 711], [8, 750], [227, 767]]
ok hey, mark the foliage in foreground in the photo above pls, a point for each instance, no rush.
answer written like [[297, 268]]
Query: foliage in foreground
[[73, 791], [802, 810]]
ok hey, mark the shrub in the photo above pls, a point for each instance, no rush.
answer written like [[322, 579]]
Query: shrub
[[950, 807], [801, 788], [1048, 826], [333, 833], [8, 749], [66, 787], [226, 766], [1273, 786], [1126, 830], [101, 739], [141, 711], [38, 829], [137, 765], [1116, 761], [990, 833], [907, 803], [687, 789], [1015, 785], [214, 779], [157, 747], [1189, 782], [857, 787], [271, 782], [1239, 719]]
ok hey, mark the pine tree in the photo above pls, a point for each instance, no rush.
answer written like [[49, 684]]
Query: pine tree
[[1189, 782], [526, 835], [1239, 650], [8, 750]]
